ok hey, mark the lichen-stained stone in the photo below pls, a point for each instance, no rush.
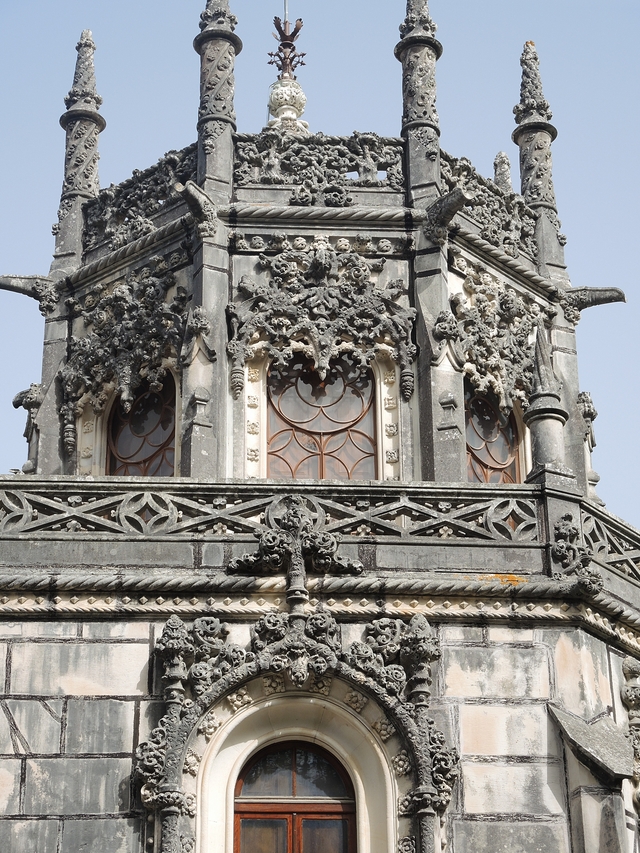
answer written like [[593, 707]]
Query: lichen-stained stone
[[3, 663], [91, 786], [507, 634], [101, 836], [513, 789], [80, 669], [38, 722], [507, 730], [582, 672], [9, 786], [507, 837], [453, 634], [94, 553], [598, 822], [500, 672], [35, 836], [150, 715], [99, 726], [6, 743]]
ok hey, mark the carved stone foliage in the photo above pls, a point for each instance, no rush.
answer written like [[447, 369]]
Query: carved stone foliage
[[223, 514], [418, 20], [217, 83], [574, 557], [362, 244], [503, 217], [131, 331], [81, 162], [533, 105], [495, 343], [322, 303], [419, 84], [392, 666], [631, 698], [319, 166], [126, 212], [295, 544]]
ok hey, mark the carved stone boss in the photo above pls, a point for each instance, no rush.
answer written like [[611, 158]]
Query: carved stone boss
[[392, 666], [322, 303]]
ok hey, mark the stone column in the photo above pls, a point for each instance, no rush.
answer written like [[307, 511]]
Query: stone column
[[205, 379], [419, 50], [534, 136]]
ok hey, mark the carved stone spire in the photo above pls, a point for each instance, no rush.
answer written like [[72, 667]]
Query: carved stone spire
[[83, 124], [286, 98], [534, 136], [218, 46], [418, 51], [545, 415]]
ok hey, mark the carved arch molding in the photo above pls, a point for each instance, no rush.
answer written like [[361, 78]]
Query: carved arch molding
[[297, 657]]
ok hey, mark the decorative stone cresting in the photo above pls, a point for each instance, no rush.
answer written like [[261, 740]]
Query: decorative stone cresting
[[319, 166], [321, 303]]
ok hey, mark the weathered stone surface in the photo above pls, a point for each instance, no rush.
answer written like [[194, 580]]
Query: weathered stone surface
[[505, 837], [506, 730], [462, 558], [80, 669], [36, 836], [582, 672], [38, 723], [601, 744], [505, 634], [9, 785], [598, 823], [460, 633], [111, 630], [501, 672], [536, 789], [91, 786], [212, 555], [102, 836], [100, 726], [6, 744], [3, 662], [112, 553], [150, 714]]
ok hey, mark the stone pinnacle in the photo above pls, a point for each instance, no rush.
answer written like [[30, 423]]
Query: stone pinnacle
[[84, 94], [533, 106]]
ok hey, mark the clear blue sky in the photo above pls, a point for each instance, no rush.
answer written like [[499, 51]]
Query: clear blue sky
[[148, 75]]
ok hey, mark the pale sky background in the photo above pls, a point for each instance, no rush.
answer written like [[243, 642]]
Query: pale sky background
[[148, 75]]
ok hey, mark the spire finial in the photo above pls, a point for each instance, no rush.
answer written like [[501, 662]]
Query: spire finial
[[218, 16], [84, 94], [533, 106], [418, 21], [286, 98]]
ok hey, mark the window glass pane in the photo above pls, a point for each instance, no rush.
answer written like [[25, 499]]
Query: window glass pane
[[270, 776], [316, 777], [492, 440], [263, 835], [324, 836]]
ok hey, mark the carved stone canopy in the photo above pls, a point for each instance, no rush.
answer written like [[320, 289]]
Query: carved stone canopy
[[322, 303]]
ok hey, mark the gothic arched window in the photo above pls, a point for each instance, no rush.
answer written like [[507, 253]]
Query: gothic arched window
[[492, 440], [321, 428], [294, 798], [141, 442]]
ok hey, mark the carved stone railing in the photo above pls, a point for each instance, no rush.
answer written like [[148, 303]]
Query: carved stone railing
[[320, 169], [611, 541], [504, 219], [182, 509], [123, 213]]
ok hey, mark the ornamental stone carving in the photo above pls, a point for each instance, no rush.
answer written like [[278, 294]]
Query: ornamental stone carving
[[322, 303], [125, 212], [503, 217], [318, 166], [496, 328], [392, 667], [132, 331], [574, 557], [631, 698], [576, 299]]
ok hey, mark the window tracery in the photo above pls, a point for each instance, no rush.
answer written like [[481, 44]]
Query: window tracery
[[493, 446], [141, 442]]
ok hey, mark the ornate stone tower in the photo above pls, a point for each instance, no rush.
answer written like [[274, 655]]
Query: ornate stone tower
[[307, 553]]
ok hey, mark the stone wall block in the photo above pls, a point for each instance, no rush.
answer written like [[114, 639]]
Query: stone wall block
[[124, 630], [96, 553], [34, 836], [535, 789], [102, 836], [80, 669], [582, 672], [507, 730], [507, 837], [10, 786], [72, 786], [501, 672], [598, 823], [99, 726], [38, 722]]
